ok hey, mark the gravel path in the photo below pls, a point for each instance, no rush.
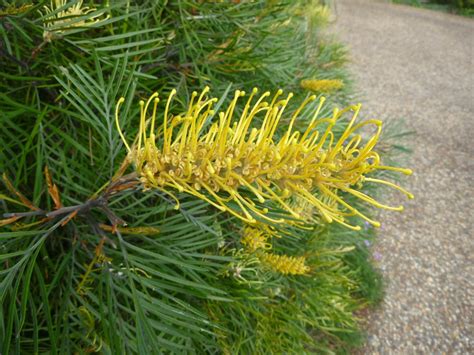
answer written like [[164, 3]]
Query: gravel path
[[418, 64]]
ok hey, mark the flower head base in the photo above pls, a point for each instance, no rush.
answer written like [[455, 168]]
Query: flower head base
[[239, 168], [322, 86], [287, 265], [60, 17]]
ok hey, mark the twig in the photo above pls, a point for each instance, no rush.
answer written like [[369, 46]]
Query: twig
[[101, 202]]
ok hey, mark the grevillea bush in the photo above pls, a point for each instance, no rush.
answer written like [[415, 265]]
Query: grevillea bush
[[144, 212]]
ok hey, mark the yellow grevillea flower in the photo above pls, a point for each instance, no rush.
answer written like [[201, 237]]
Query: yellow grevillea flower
[[255, 241], [238, 168], [322, 86], [287, 265], [69, 16], [256, 238]]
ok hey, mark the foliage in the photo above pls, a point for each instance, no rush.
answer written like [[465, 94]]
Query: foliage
[[74, 278], [461, 7]]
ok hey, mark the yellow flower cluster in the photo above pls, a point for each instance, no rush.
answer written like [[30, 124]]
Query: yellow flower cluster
[[287, 265], [68, 16], [255, 239], [238, 168], [322, 86]]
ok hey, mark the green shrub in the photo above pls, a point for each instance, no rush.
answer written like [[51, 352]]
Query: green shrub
[[74, 277]]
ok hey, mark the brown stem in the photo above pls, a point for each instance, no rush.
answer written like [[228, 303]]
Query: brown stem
[[101, 202]]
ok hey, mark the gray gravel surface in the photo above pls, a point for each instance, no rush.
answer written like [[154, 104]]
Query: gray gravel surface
[[418, 64]]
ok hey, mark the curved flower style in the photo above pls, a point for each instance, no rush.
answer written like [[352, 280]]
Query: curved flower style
[[239, 168], [57, 21]]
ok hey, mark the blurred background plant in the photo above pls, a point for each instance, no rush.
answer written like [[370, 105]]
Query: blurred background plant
[[171, 280], [461, 7]]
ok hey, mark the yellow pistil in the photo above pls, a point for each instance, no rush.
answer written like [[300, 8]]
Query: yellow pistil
[[323, 85], [287, 265], [239, 168]]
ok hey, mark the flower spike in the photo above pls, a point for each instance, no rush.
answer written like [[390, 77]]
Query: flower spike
[[239, 166]]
